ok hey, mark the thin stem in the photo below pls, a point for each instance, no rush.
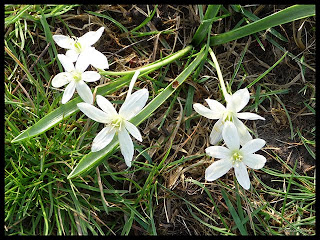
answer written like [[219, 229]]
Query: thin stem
[[223, 86]]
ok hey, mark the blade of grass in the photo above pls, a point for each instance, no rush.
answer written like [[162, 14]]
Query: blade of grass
[[146, 20], [289, 14], [267, 71], [202, 30], [233, 213]]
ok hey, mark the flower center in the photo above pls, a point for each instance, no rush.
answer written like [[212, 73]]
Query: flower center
[[236, 158], [78, 47], [77, 76], [227, 116], [117, 121]]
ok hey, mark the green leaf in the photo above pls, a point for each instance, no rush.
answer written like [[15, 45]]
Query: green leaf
[[94, 158], [202, 30], [234, 213], [71, 108], [289, 14], [146, 20]]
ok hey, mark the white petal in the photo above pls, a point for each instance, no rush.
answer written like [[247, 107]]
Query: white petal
[[243, 132], [218, 152], [68, 92], [91, 37], [96, 58], [103, 138], [215, 106], [133, 80], [106, 105], [206, 112], [61, 79], [66, 62], [254, 161], [217, 169], [82, 62], [84, 92], [253, 146], [249, 116], [63, 41], [72, 55], [94, 113], [90, 76], [133, 130], [126, 146], [216, 133], [238, 100], [242, 175], [134, 103], [230, 136]]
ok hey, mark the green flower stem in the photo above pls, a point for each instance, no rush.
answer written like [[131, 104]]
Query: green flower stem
[[153, 66], [215, 61]]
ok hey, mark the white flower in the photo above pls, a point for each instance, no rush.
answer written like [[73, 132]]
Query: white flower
[[235, 103], [235, 157], [76, 78], [117, 123], [80, 48]]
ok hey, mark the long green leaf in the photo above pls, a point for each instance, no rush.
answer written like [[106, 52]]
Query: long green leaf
[[146, 20], [234, 213], [202, 30], [289, 14], [94, 158], [71, 108]]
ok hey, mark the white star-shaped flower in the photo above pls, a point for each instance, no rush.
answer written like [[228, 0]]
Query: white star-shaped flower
[[235, 103], [117, 123], [75, 77], [235, 157], [81, 48]]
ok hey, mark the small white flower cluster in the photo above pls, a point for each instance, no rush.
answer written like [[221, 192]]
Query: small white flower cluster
[[80, 50], [234, 133]]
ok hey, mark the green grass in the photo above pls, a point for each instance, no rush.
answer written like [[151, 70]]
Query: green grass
[[164, 192]]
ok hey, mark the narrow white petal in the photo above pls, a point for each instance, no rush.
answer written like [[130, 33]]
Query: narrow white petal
[[216, 133], [82, 62], [63, 41], [242, 175], [126, 146], [90, 76], [230, 136], [215, 106], [84, 92], [238, 100], [253, 146], [68, 92], [134, 103], [94, 113], [91, 37], [217, 169], [133, 130], [249, 116], [61, 79], [96, 58], [254, 161], [66, 62], [72, 55], [133, 80], [106, 105], [218, 152], [243, 132], [206, 112], [103, 138]]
